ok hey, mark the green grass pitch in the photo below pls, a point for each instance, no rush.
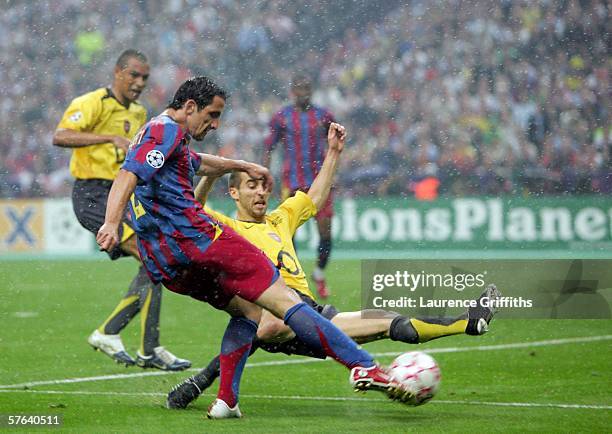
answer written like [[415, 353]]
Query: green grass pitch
[[50, 307]]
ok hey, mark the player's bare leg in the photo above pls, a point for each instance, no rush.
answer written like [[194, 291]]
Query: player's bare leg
[[361, 330], [324, 251], [272, 329]]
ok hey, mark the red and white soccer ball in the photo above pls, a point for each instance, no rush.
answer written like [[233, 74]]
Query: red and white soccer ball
[[419, 373]]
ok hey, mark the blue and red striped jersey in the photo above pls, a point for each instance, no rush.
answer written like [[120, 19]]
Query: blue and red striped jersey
[[171, 225], [303, 136]]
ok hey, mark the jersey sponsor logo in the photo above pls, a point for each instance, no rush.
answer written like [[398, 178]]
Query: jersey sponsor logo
[[155, 159], [126, 126], [76, 117], [288, 263]]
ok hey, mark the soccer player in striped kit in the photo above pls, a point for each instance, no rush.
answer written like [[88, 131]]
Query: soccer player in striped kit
[[192, 254], [301, 129]]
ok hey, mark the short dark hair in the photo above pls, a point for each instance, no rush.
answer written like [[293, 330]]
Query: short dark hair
[[201, 89], [122, 61], [234, 179]]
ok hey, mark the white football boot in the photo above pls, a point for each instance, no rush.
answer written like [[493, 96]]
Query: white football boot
[[112, 346], [220, 410]]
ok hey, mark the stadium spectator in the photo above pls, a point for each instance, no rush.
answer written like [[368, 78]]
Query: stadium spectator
[[510, 79]]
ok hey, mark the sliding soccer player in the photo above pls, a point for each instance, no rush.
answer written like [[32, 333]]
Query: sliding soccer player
[[273, 232]]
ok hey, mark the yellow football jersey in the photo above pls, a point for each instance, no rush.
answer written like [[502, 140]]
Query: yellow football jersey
[[275, 236], [99, 112]]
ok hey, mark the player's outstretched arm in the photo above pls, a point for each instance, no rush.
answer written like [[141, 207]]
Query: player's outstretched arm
[[66, 138], [213, 165], [319, 190], [122, 189]]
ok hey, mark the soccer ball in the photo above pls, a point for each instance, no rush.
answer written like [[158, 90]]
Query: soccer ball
[[419, 373]]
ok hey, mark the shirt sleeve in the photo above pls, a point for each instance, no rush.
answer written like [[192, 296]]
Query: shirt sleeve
[[274, 133], [151, 148], [82, 114], [296, 210]]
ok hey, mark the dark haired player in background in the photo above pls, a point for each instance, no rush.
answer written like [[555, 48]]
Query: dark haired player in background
[[301, 129], [98, 127]]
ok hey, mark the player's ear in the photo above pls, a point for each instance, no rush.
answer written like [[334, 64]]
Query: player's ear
[[233, 192], [190, 106]]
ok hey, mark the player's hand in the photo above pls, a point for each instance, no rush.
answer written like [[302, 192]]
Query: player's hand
[[336, 136], [121, 142], [108, 237], [257, 171]]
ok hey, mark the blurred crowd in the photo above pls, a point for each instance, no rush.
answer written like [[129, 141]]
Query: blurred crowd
[[448, 97]]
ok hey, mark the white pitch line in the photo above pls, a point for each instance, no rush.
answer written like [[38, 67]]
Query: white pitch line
[[512, 346], [515, 345], [526, 404], [324, 398], [84, 379]]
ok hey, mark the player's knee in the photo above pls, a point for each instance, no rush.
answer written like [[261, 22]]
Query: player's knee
[[286, 301], [240, 307], [273, 330], [254, 313]]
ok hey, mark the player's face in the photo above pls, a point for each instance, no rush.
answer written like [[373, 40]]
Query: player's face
[[131, 80], [301, 94], [200, 122], [252, 198]]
